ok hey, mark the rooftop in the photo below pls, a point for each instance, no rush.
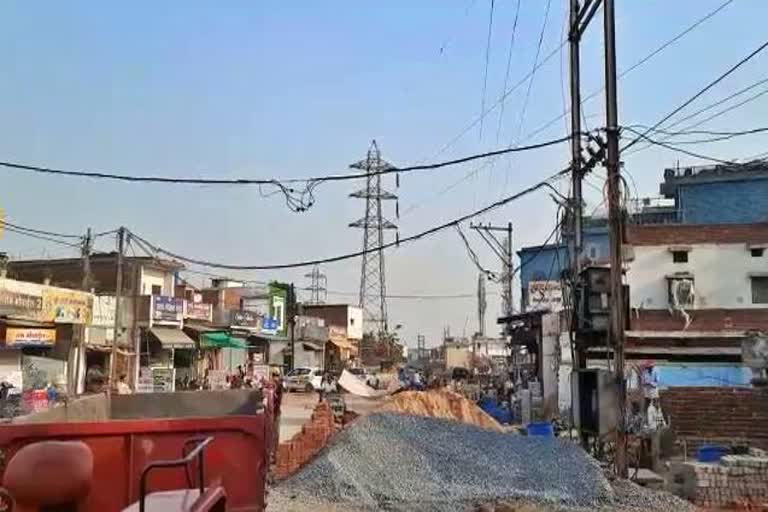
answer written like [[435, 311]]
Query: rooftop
[[674, 177], [669, 234]]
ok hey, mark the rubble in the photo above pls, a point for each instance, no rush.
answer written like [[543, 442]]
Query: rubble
[[401, 462], [441, 404]]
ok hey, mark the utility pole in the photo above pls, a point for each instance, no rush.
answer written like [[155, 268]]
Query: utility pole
[[615, 222], [118, 316], [481, 304], [502, 249], [85, 252], [292, 322]]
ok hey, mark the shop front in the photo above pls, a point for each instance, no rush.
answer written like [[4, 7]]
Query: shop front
[[168, 355]]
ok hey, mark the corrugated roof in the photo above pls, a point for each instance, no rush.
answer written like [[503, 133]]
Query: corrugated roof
[[676, 234]]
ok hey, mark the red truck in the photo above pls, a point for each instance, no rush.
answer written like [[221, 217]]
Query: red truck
[[203, 450]]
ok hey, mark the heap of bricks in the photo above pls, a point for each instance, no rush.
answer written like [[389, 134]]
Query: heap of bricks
[[302, 447], [737, 479], [720, 415]]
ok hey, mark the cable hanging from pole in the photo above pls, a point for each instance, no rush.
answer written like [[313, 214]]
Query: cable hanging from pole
[[542, 184]]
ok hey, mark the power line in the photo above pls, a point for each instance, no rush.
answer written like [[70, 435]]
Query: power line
[[473, 255], [272, 181], [41, 237], [588, 97], [509, 67], [39, 231], [532, 74], [693, 98], [487, 58], [644, 136], [636, 65], [718, 136], [357, 254]]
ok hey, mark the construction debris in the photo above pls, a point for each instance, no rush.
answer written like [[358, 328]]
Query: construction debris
[[441, 404], [401, 462]]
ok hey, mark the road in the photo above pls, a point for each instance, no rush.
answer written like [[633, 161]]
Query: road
[[297, 408]]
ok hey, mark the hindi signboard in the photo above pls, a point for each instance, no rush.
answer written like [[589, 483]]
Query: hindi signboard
[[167, 309], [545, 295], [29, 337], [198, 311]]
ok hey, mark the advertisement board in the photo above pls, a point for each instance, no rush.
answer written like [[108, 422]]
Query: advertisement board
[[245, 319], [29, 337], [198, 311], [545, 295], [103, 311], [167, 309], [66, 306], [14, 301]]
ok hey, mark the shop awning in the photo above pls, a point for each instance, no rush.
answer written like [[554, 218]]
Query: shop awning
[[312, 346], [221, 340], [172, 338]]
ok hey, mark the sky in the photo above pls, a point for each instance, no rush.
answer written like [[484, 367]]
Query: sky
[[292, 89]]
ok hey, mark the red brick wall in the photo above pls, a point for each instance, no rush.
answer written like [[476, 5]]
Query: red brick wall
[[714, 414], [293, 454], [702, 320]]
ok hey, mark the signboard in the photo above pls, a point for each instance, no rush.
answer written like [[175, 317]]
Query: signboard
[[66, 306], [27, 337], [145, 383], [269, 325], [163, 379], [260, 372], [17, 301], [167, 309], [545, 295], [245, 319], [198, 311], [104, 311]]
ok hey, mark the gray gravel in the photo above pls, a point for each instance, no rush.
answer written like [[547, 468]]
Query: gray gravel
[[399, 462]]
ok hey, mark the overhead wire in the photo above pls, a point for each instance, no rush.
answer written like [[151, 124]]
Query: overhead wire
[[473, 255], [699, 93], [401, 241], [509, 67], [644, 136], [4, 222], [717, 136], [41, 237], [487, 60]]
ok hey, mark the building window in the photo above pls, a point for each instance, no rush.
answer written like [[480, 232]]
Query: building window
[[757, 252], [680, 256], [760, 290], [351, 321], [157, 289]]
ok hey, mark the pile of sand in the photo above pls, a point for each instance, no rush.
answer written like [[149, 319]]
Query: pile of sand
[[441, 404]]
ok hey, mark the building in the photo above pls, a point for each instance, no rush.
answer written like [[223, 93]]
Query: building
[[345, 325], [42, 332], [696, 292], [151, 317]]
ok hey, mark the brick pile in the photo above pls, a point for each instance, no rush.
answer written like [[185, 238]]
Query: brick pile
[[721, 415], [314, 435], [736, 480]]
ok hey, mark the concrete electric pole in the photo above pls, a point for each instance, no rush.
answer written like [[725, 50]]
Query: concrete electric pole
[[118, 316], [616, 225], [502, 249]]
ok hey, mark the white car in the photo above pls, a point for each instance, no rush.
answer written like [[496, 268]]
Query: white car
[[303, 378]]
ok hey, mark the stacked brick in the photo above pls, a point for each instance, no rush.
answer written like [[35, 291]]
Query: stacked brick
[[301, 448], [738, 479], [719, 415]]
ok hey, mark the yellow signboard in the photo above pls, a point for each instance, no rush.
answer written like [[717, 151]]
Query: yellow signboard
[[22, 336], [66, 306]]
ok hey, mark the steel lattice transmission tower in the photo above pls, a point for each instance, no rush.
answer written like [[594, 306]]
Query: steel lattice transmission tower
[[373, 289], [318, 286]]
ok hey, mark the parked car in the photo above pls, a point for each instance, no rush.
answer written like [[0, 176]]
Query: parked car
[[303, 379], [369, 378]]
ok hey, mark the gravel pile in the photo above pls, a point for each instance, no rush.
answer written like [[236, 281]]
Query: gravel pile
[[399, 462]]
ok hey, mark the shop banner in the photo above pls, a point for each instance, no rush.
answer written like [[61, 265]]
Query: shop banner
[[28, 337], [245, 319], [66, 306], [198, 311], [167, 309], [19, 302], [545, 295], [269, 325], [104, 311]]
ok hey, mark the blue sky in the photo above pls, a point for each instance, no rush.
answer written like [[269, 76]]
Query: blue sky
[[278, 89]]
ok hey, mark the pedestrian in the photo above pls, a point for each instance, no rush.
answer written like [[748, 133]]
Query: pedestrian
[[122, 386], [649, 381]]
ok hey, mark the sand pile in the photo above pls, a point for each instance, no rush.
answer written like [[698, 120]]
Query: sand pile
[[441, 404]]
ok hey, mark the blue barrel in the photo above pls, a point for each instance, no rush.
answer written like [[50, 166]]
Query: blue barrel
[[542, 428], [710, 453]]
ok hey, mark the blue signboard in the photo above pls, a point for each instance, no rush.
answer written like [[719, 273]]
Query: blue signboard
[[269, 325]]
